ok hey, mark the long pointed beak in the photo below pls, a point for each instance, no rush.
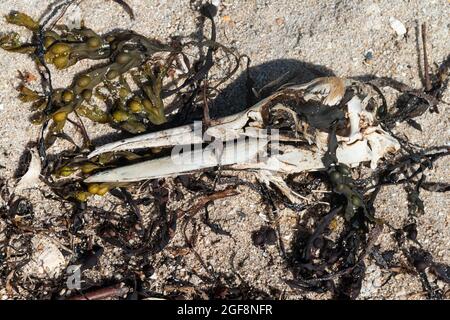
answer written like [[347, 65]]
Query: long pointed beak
[[243, 150]]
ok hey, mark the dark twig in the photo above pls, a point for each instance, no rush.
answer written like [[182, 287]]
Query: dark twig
[[425, 58], [204, 200], [126, 7], [103, 293], [206, 117]]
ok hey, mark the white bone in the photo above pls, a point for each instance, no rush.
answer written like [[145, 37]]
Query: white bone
[[226, 128], [176, 136], [375, 145], [243, 155], [243, 151], [268, 177], [368, 145], [380, 143], [354, 108]]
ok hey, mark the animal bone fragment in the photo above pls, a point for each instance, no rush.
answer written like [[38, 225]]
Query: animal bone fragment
[[241, 152], [226, 128], [241, 140]]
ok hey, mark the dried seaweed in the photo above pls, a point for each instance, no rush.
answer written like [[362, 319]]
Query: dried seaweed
[[330, 256], [342, 260]]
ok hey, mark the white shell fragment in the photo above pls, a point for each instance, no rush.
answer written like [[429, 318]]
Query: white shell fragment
[[398, 26], [31, 178], [46, 260]]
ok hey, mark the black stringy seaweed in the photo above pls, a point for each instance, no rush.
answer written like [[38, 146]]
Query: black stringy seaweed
[[318, 262]]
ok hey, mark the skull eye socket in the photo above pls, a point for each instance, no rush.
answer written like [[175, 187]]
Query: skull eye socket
[[281, 119]]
